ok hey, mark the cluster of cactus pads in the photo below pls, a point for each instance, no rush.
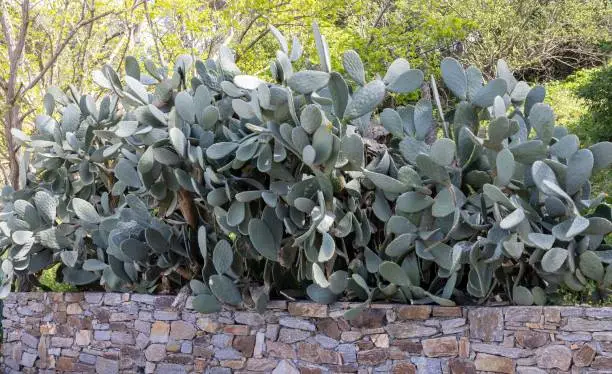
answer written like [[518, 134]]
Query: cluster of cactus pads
[[307, 187]]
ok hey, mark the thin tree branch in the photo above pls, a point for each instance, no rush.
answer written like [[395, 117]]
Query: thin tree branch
[[379, 18], [247, 28], [61, 47], [155, 34]]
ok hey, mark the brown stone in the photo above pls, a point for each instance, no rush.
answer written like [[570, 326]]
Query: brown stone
[[280, 350], [64, 363], [80, 322], [74, 308], [261, 364], [181, 330], [459, 366], [419, 312], [306, 309], [584, 356], [236, 329], [371, 357], [159, 332], [486, 324], [329, 327], [173, 346], [408, 346], [364, 345], [440, 347], [48, 328], [554, 356], [531, 339], [497, 364], [602, 363], [447, 311], [369, 319], [245, 344], [316, 354], [404, 368], [464, 347], [73, 297], [233, 364], [309, 370]]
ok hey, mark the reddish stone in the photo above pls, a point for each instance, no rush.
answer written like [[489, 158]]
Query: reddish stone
[[486, 362], [371, 357], [404, 368], [602, 363], [280, 350], [234, 364], [64, 363], [316, 354], [418, 312], [329, 327], [584, 356], [464, 347], [305, 309], [408, 346], [261, 364], [531, 339], [459, 366], [364, 345], [369, 319], [440, 347], [73, 297], [447, 311], [236, 329], [245, 344]]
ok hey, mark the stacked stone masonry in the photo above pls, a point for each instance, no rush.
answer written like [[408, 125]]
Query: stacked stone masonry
[[131, 333]]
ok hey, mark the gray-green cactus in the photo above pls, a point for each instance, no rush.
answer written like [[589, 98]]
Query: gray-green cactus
[[250, 190]]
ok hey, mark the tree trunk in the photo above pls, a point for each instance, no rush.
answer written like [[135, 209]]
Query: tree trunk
[[12, 121]]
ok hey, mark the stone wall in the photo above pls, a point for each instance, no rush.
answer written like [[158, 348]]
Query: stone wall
[[110, 333]]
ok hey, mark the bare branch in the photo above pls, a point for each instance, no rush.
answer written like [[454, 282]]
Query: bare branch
[[7, 29], [383, 10], [154, 32], [61, 47]]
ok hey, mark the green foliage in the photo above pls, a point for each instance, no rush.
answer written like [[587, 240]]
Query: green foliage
[[582, 103], [597, 92], [260, 189], [592, 294]]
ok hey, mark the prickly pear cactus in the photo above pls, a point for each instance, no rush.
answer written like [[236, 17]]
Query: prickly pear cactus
[[248, 190]]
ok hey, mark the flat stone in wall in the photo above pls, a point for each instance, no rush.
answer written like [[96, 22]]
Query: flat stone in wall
[[123, 333]]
